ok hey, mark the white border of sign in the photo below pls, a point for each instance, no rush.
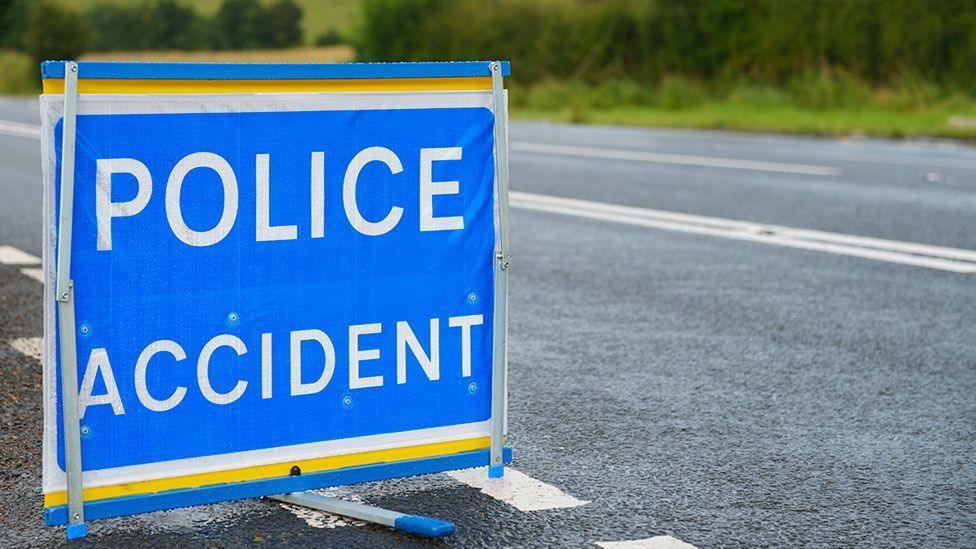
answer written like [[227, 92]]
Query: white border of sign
[[51, 109]]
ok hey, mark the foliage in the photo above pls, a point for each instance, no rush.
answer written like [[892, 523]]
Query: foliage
[[165, 25], [13, 14], [53, 31], [282, 25], [237, 25], [330, 37], [17, 73], [779, 42]]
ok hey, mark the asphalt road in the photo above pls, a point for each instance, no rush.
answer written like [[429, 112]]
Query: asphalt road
[[723, 389]]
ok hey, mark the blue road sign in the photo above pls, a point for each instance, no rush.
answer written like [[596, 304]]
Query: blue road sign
[[265, 284]]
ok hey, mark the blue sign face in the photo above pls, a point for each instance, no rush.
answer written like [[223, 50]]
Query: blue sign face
[[249, 281]]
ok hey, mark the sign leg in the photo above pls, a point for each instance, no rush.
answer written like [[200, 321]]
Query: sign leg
[[496, 467], [64, 293], [414, 524]]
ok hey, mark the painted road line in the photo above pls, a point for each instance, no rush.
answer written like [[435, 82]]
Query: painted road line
[[19, 129], [29, 346], [517, 489], [679, 159], [320, 519], [15, 256], [33, 272], [657, 542], [905, 253]]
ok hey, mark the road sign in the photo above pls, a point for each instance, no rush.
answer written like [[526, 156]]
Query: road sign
[[281, 277]]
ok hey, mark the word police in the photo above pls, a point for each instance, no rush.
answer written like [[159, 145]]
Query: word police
[[106, 210], [365, 367]]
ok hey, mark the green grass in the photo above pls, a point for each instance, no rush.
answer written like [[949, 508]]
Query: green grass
[[320, 15], [811, 105], [735, 116], [16, 70]]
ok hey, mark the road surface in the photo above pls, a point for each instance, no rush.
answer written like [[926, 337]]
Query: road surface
[[730, 339]]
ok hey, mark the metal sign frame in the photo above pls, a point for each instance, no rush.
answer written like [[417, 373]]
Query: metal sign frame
[[63, 77]]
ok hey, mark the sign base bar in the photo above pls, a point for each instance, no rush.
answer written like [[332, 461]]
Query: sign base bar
[[158, 501], [414, 524]]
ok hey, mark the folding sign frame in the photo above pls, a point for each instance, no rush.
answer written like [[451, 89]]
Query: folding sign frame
[[307, 77]]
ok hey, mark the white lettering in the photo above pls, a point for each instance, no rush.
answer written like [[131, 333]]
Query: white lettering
[[429, 188], [98, 362], [105, 209], [142, 364], [465, 323], [356, 356], [297, 337], [174, 188], [430, 363], [203, 369], [265, 232], [372, 154]]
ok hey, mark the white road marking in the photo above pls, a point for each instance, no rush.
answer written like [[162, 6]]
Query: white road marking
[[15, 256], [19, 129], [657, 542], [321, 519], [680, 159], [517, 489], [33, 272], [30, 346], [893, 251]]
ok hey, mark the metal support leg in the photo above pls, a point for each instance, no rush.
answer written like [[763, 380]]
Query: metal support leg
[[64, 294], [422, 526], [496, 468]]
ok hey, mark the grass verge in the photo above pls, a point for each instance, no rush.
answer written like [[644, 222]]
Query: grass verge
[[325, 54], [816, 104], [736, 116]]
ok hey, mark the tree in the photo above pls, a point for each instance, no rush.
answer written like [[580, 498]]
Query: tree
[[54, 31], [121, 28], [282, 25], [176, 27], [237, 25], [12, 15]]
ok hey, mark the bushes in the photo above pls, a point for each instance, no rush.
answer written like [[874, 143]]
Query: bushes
[[172, 25], [53, 32], [778, 42]]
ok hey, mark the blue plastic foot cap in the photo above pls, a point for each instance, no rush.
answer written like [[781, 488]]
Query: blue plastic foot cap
[[496, 471], [76, 531], [424, 526]]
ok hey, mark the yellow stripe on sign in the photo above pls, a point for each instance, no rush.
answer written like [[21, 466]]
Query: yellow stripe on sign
[[261, 472], [124, 86]]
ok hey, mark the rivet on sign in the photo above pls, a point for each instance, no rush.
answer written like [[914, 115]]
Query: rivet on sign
[[472, 297], [232, 318], [85, 430], [296, 470], [497, 459], [64, 295], [347, 401], [77, 516], [85, 329], [473, 387]]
